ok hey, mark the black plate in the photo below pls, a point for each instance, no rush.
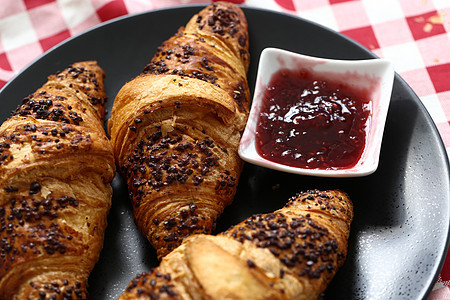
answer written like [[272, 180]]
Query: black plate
[[400, 230]]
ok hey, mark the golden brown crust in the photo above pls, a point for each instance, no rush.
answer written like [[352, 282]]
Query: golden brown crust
[[56, 166], [213, 47], [176, 128], [292, 253]]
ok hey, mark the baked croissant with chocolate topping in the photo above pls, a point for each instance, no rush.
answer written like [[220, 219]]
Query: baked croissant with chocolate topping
[[176, 127], [56, 165], [292, 253]]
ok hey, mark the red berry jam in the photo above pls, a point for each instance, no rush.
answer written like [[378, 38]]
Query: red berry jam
[[311, 123]]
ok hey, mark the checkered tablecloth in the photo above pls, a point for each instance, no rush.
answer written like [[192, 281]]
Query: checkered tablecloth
[[413, 34]]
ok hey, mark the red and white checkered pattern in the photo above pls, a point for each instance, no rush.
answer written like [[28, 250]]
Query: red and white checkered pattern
[[413, 34]]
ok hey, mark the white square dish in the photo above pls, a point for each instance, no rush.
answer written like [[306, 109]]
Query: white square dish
[[373, 76]]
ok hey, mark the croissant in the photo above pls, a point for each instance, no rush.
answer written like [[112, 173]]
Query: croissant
[[176, 127], [56, 165], [292, 253]]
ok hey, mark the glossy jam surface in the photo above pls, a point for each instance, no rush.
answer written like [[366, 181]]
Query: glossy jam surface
[[311, 123]]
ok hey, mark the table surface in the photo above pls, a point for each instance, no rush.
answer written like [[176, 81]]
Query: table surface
[[413, 34]]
